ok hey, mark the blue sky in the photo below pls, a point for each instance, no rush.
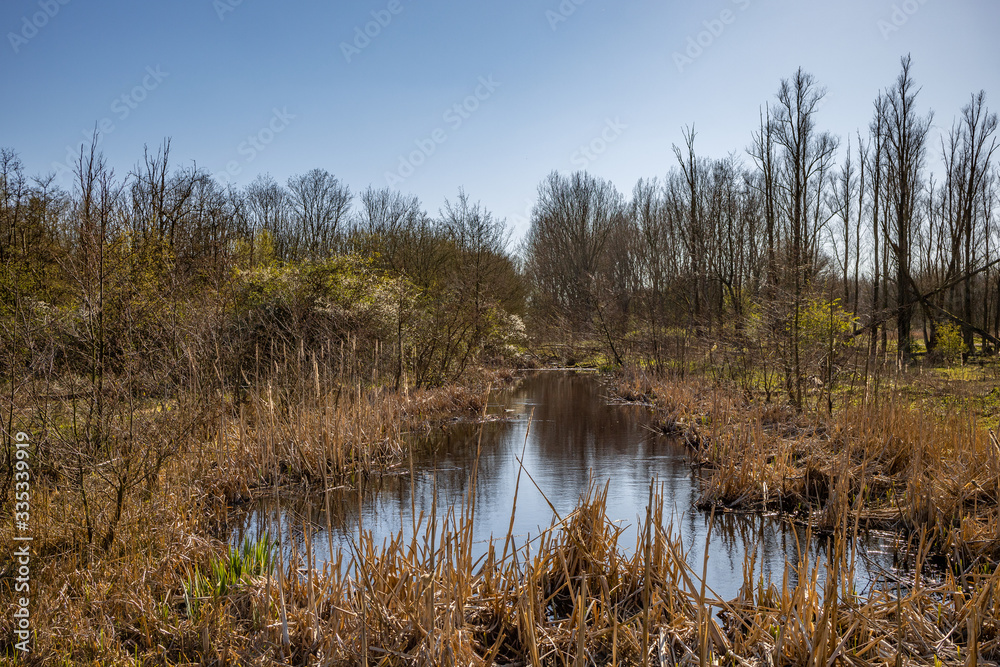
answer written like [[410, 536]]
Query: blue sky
[[244, 87]]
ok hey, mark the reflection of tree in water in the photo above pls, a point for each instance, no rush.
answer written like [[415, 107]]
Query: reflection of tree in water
[[778, 547], [574, 432], [442, 470], [573, 421]]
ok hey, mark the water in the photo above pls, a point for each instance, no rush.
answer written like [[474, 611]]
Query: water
[[576, 437]]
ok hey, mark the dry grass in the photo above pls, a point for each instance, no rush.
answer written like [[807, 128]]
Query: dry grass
[[103, 601], [574, 596], [329, 436], [888, 463]]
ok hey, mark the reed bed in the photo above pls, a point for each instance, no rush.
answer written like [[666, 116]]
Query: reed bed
[[169, 590], [120, 531], [886, 463], [572, 595], [329, 436]]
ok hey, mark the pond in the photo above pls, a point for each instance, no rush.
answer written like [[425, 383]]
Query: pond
[[561, 431]]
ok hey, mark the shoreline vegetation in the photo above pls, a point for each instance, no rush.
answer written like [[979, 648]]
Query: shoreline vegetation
[[171, 591], [823, 336], [572, 595], [928, 471]]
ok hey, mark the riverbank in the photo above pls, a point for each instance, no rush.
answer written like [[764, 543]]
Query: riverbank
[[171, 590], [920, 458], [341, 436], [107, 576]]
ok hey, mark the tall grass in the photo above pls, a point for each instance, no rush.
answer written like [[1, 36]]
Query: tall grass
[[307, 426], [168, 592], [886, 463], [162, 583], [572, 595]]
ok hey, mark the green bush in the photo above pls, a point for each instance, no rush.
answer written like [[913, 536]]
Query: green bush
[[950, 345]]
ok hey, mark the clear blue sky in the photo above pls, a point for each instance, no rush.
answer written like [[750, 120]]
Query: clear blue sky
[[211, 74]]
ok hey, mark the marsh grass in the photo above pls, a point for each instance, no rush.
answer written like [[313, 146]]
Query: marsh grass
[[163, 583], [888, 463], [572, 595], [169, 590], [317, 430]]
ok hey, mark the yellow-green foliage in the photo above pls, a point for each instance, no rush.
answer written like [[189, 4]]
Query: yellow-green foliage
[[824, 323], [256, 251], [345, 288], [755, 324], [224, 575], [950, 345], [438, 328]]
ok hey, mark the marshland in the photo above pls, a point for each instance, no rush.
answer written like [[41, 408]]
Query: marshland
[[746, 414]]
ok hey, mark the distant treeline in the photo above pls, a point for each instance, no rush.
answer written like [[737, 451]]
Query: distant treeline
[[780, 255], [799, 247], [145, 273]]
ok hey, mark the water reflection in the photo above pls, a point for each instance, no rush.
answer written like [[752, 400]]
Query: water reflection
[[567, 434]]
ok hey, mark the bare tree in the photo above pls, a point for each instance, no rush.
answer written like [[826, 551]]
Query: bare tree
[[762, 151], [384, 225], [876, 169], [693, 171], [905, 139], [268, 215], [805, 158], [968, 161], [571, 225], [319, 203], [844, 191], [656, 257], [863, 151]]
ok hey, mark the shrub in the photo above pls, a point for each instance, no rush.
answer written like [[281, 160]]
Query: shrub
[[950, 347]]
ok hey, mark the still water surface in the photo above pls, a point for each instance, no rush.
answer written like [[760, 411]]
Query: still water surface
[[576, 436]]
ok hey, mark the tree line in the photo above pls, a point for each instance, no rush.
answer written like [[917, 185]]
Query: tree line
[[162, 236], [799, 246], [138, 313], [777, 262]]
